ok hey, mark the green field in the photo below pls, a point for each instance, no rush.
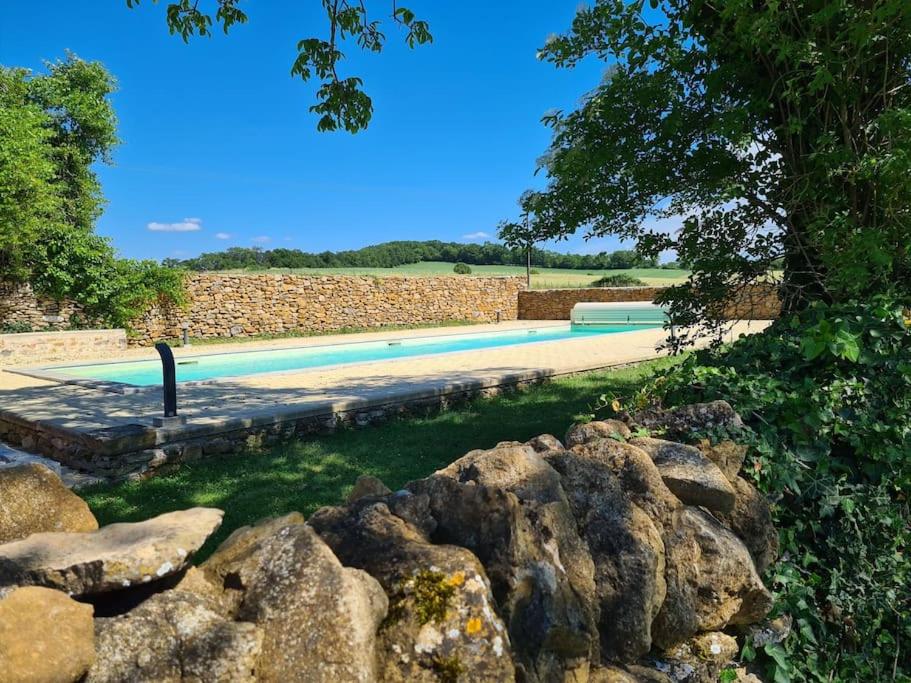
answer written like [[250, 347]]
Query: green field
[[546, 278]]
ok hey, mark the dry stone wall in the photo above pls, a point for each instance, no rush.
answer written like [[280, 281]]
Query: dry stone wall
[[244, 305], [759, 302], [598, 559], [21, 307]]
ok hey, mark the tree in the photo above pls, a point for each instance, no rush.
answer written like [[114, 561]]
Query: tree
[[523, 235], [342, 102], [53, 128], [28, 198], [777, 130]]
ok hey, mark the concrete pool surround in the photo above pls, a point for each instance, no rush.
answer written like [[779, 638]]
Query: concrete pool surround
[[112, 434], [91, 375]]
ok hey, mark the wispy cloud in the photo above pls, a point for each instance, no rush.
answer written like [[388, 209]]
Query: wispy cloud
[[223, 235], [262, 239], [186, 225], [475, 236]]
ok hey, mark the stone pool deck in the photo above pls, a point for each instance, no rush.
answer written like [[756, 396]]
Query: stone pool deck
[[112, 435]]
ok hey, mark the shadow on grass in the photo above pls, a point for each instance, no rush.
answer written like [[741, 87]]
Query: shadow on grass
[[307, 474]]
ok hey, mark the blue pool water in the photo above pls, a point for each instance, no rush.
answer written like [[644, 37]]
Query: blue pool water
[[195, 368]]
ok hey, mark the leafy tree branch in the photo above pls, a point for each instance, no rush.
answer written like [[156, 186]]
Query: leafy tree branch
[[341, 101]]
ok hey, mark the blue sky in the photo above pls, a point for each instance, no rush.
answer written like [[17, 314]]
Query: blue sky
[[219, 148]]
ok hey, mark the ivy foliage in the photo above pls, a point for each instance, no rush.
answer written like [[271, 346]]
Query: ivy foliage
[[53, 128], [769, 131], [827, 394], [342, 102]]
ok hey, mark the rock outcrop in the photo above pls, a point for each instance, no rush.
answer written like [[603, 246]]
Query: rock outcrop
[[34, 499], [612, 559]]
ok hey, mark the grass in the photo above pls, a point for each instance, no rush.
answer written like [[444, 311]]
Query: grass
[[546, 278], [304, 475]]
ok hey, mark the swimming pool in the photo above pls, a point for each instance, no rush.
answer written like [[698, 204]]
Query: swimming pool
[[215, 366]]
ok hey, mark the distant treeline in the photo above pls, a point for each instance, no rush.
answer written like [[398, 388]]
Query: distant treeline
[[392, 254]]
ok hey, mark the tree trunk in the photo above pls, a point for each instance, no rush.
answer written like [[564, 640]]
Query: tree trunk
[[528, 267], [804, 276]]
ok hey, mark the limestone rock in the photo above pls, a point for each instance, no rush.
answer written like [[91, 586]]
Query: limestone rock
[[727, 455], [638, 477], [690, 476], [218, 599], [365, 485], [33, 499], [751, 520], [770, 631], [442, 623], [711, 580], [710, 577], [44, 636], [318, 618], [114, 557], [174, 637], [508, 507], [544, 443], [626, 548], [699, 659], [686, 421], [587, 432], [611, 674]]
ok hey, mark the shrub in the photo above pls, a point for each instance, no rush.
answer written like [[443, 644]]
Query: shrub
[[83, 267], [15, 327], [461, 269], [827, 394], [534, 271], [618, 280]]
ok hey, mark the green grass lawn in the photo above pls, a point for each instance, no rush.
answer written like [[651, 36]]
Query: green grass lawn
[[546, 278], [307, 474]]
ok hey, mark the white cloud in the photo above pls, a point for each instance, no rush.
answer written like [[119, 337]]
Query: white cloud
[[222, 235], [475, 236], [262, 239], [186, 225]]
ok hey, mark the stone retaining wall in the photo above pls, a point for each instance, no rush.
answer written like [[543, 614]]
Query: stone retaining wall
[[759, 302], [49, 347]]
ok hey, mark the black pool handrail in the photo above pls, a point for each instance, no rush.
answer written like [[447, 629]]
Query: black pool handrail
[[169, 379]]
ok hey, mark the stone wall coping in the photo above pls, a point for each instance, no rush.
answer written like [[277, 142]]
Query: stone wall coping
[[26, 336], [594, 289], [347, 276]]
